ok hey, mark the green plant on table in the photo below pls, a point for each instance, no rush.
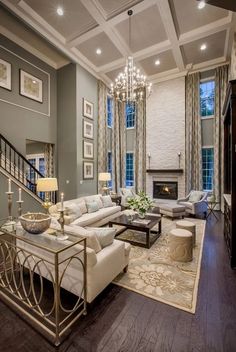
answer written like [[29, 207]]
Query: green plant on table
[[140, 203]]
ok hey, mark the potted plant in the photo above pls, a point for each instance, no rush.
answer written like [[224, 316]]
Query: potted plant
[[140, 203]]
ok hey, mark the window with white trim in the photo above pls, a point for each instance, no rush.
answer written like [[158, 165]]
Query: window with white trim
[[109, 111], [207, 168], [207, 98], [129, 169], [130, 115]]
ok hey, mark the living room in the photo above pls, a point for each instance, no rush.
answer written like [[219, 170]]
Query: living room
[[80, 138]]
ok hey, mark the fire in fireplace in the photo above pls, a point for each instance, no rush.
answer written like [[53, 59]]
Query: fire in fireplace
[[165, 190]]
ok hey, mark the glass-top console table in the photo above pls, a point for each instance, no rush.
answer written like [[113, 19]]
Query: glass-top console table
[[25, 261]]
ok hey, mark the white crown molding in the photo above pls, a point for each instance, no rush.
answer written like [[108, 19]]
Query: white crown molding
[[14, 38], [209, 65]]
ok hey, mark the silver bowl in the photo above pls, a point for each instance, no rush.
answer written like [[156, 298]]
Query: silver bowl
[[35, 223]]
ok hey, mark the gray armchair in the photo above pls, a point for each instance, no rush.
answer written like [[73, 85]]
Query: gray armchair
[[195, 202]]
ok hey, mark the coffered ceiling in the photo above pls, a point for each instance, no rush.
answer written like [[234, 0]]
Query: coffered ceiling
[[167, 32]]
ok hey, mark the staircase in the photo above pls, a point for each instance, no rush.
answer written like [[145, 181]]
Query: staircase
[[16, 167]]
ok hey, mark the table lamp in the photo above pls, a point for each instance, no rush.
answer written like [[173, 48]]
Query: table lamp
[[47, 185], [104, 177]]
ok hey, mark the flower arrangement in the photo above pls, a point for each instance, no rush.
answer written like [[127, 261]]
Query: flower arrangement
[[141, 203]]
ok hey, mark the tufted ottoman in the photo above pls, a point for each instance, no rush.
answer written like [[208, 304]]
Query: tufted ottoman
[[187, 225], [172, 210], [181, 245]]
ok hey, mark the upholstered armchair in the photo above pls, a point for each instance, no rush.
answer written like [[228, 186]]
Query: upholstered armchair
[[126, 193], [195, 202]]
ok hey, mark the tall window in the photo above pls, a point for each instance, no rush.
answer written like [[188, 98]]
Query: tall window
[[109, 112], [129, 169], [207, 168], [38, 161], [109, 167], [207, 98], [130, 115]]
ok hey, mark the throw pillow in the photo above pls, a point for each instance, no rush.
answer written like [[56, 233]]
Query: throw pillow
[[73, 210], [195, 196], [82, 205], [105, 235], [91, 237], [92, 206], [127, 192], [107, 202]]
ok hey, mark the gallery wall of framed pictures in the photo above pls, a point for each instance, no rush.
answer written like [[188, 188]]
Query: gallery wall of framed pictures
[[88, 140]]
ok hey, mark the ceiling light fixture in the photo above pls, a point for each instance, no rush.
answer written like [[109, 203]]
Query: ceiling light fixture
[[157, 62], [203, 47], [98, 51], [201, 5], [130, 85], [60, 11]]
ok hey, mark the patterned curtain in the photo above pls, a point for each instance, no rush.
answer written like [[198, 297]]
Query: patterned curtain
[[140, 147], [221, 81], [193, 169], [49, 160], [118, 146], [102, 128]]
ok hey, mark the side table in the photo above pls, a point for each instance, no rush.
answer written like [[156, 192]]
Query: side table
[[211, 205], [116, 199]]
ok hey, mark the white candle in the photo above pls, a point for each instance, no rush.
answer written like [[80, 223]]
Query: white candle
[[20, 195], [9, 185], [62, 200]]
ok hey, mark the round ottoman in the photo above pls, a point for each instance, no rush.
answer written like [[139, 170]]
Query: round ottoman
[[187, 225], [181, 245]]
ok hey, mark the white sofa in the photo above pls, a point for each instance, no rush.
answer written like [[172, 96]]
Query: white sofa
[[102, 265], [96, 218]]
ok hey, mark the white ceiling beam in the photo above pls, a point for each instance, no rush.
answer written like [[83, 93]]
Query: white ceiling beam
[[206, 30], [109, 30], [83, 37], [168, 22], [230, 37]]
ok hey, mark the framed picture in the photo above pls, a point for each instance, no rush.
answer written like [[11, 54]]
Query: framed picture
[[31, 86], [88, 170], [87, 109], [87, 129], [88, 150], [5, 74]]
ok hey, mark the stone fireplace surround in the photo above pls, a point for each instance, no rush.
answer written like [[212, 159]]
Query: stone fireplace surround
[[165, 176]]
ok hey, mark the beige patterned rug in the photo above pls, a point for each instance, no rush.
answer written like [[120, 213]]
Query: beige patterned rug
[[153, 274]]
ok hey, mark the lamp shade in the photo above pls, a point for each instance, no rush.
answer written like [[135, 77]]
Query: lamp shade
[[104, 176], [47, 184]]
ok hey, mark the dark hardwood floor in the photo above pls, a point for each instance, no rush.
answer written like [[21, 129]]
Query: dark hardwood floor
[[121, 320]]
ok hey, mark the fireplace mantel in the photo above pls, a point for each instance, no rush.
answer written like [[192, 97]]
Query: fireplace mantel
[[162, 171]]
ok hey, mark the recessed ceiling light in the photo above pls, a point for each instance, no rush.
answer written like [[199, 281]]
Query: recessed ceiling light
[[98, 51], [201, 5], [34, 82], [157, 62], [203, 47], [60, 11]]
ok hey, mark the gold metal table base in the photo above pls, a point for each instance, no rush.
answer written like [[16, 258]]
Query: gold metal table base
[[18, 269]]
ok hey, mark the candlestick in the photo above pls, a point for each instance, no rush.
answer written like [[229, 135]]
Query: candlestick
[[20, 195], [9, 185], [61, 234], [9, 199], [62, 201], [19, 202]]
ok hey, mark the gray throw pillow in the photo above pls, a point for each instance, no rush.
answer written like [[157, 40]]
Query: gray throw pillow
[[195, 196], [107, 202], [105, 235], [92, 206]]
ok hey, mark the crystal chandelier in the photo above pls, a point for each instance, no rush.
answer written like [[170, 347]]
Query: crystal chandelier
[[130, 85]]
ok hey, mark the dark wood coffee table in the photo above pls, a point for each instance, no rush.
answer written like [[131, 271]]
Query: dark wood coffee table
[[127, 223]]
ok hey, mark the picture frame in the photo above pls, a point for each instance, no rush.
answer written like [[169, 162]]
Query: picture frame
[[5, 74], [87, 150], [88, 170], [87, 129], [87, 109], [31, 86]]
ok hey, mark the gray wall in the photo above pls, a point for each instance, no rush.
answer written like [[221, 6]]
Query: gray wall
[[74, 84], [35, 148], [67, 144], [17, 123]]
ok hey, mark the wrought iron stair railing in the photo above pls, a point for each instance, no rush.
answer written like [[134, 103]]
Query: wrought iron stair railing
[[20, 169]]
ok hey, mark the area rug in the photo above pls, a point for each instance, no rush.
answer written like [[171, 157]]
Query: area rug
[[152, 273]]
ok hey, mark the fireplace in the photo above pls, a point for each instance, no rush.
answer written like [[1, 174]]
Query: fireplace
[[165, 189]]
